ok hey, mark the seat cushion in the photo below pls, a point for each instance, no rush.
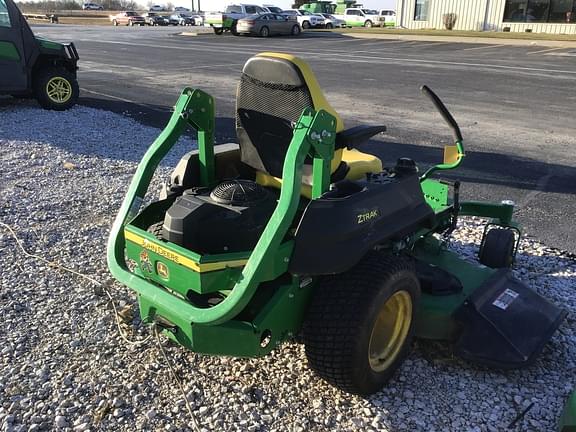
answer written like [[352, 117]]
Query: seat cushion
[[358, 163]]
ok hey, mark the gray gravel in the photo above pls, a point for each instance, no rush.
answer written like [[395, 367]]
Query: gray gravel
[[63, 365]]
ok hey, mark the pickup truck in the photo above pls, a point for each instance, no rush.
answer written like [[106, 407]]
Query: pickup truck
[[226, 21], [305, 19], [359, 17], [127, 18], [389, 17]]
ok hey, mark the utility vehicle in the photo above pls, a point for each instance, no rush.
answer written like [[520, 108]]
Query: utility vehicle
[[34, 66]]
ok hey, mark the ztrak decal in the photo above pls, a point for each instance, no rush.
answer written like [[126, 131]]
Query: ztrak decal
[[365, 217]]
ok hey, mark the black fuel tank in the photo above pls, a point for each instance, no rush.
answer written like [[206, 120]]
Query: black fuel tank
[[339, 228]]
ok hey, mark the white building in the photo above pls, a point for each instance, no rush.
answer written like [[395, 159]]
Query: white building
[[538, 16]]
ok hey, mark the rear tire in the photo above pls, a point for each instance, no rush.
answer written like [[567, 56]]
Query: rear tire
[[218, 31], [295, 30], [131, 23], [360, 324], [156, 230], [264, 32], [306, 25], [56, 89], [497, 249], [115, 23]]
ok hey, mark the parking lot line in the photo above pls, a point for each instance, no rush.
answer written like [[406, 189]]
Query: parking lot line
[[481, 47], [545, 50], [121, 99], [350, 58], [427, 44]]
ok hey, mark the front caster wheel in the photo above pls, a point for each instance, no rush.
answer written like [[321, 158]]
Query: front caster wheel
[[497, 248]]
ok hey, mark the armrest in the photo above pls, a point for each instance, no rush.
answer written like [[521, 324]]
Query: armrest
[[353, 137]]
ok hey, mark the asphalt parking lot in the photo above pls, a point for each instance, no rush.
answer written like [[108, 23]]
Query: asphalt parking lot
[[514, 103]]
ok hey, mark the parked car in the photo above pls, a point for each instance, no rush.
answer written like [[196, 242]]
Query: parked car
[[358, 17], [127, 18], [198, 19], [92, 6], [181, 19], [228, 20], [153, 19], [157, 8], [389, 16], [305, 19], [330, 21], [273, 9], [181, 9], [267, 24]]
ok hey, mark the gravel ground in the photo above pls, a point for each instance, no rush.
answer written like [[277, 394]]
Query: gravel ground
[[64, 366]]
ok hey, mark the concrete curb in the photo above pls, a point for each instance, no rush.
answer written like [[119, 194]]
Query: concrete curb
[[464, 39]]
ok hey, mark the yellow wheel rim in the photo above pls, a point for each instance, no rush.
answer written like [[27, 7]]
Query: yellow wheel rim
[[59, 89], [390, 331]]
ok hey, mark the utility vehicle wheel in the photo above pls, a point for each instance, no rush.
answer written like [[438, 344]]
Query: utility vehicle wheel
[[360, 324], [218, 31], [497, 249], [295, 30], [56, 89], [306, 25], [233, 29], [264, 32], [329, 26], [368, 24], [115, 23]]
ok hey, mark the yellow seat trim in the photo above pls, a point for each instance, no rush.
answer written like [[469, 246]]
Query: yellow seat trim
[[358, 163], [318, 99]]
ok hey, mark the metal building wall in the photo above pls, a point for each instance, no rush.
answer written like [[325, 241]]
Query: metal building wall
[[475, 15]]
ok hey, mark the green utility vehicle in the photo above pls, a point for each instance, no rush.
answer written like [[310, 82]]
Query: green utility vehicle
[[568, 420], [33, 66], [296, 232]]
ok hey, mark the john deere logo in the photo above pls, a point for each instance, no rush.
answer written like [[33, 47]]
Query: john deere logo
[[162, 270]]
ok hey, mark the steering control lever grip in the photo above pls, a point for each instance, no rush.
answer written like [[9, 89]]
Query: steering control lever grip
[[443, 111]]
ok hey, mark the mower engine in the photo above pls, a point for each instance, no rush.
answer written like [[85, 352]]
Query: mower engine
[[229, 218]]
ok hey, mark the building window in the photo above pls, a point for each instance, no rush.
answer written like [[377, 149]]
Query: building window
[[421, 10], [553, 11]]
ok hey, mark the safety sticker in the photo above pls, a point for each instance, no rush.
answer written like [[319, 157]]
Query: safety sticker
[[505, 299]]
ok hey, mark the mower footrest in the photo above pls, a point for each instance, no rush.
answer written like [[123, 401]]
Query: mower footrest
[[506, 324]]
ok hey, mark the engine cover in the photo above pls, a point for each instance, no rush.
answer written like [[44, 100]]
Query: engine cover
[[212, 222]]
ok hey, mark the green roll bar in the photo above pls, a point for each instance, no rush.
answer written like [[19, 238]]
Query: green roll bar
[[314, 133]]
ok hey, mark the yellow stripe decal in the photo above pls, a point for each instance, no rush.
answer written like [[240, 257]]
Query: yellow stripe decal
[[179, 258]]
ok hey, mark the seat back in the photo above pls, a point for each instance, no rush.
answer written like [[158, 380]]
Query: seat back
[[273, 91]]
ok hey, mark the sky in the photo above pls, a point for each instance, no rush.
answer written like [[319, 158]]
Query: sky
[[215, 5]]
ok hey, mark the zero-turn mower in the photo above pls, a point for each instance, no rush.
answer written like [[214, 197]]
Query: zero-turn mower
[[295, 231]]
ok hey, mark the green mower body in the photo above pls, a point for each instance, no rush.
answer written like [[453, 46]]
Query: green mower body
[[219, 278]]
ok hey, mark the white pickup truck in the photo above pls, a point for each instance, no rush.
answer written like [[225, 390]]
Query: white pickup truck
[[227, 20], [359, 17], [389, 17], [305, 19]]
